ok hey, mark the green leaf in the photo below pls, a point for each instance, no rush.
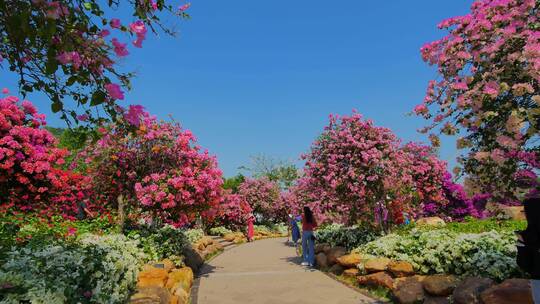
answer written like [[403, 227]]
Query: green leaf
[[88, 5], [57, 106], [98, 98]]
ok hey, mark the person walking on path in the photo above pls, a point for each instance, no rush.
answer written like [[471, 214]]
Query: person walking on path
[[308, 238], [295, 231], [250, 229], [528, 257]]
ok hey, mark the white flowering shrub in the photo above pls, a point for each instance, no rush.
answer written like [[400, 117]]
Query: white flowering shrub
[[92, 269], [193, 235], [219, 231], [489, 254], [348, 237]]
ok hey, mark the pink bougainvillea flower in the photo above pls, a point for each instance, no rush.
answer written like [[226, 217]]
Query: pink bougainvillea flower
[[115, 23], [82, 117], [5, 91], [138, 27], [184, 7], [134, 114], [492, 89], [114, 91], [104, 33], [119, 48]]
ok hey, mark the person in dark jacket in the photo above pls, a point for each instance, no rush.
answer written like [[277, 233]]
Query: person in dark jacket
[[529, 239]]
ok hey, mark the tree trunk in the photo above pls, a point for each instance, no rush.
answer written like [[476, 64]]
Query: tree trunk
[[121, 218]]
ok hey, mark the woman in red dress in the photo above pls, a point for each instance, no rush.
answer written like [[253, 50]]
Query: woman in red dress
[[250, 231]]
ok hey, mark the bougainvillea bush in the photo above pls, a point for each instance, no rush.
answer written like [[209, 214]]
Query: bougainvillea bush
[[489, 90], [488, 254], [92, 269], [357, 171], [31, 178], [233, 212], [155, 166], [263, 197]]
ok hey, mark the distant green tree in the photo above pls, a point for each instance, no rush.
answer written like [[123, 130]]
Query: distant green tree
[[233, 183], [282, 172]]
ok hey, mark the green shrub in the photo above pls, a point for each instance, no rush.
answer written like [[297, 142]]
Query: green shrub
[[471, 225], [489, 254], [92, 269], [348, 237], [219, 231], [160, 243]]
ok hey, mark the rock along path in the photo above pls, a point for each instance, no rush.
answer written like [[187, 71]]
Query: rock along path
[[268, 272]]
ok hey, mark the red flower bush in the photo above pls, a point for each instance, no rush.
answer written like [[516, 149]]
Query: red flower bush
[[156, 166], [489, 65], [30, 179]]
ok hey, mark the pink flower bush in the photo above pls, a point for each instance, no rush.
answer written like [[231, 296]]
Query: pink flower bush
[[263, 197], [356, 171], [30, 177], [489, 65], [233, 212], [156, 166]]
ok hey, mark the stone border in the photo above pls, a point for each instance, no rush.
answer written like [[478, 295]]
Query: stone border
[[355, 288]]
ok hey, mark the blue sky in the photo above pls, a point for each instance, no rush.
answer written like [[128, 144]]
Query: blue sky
[[252, 77]]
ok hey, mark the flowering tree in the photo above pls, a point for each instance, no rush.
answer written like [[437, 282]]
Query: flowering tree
[[262, 195], [354, 168], [30, 177], [427, 176], [489, 65], [233, 211], [155, 166], [68, 49]]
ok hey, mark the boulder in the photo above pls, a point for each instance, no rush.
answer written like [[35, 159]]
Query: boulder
[[182, 277], [183, 296], [400, 268], [155, 277], [436, 300], [165, 264], [430, 221], [409, 290], [321, 260], [192, 259], [511, 291], [218, 246], [349, 260], [468, 291], [206, 240], [151, 295], [336, 269], [509, 212], [229, 237], [351, 272], [376, 265], [440, 284], [239, 240], [334, 253], [323, 247], [381, 279]]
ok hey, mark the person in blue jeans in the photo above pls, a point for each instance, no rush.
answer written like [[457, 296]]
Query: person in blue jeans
[[308, 238]]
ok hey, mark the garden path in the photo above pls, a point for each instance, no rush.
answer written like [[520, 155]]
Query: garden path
[[268, 272]]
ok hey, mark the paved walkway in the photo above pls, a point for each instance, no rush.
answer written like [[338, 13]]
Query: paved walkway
[[268, 272]]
